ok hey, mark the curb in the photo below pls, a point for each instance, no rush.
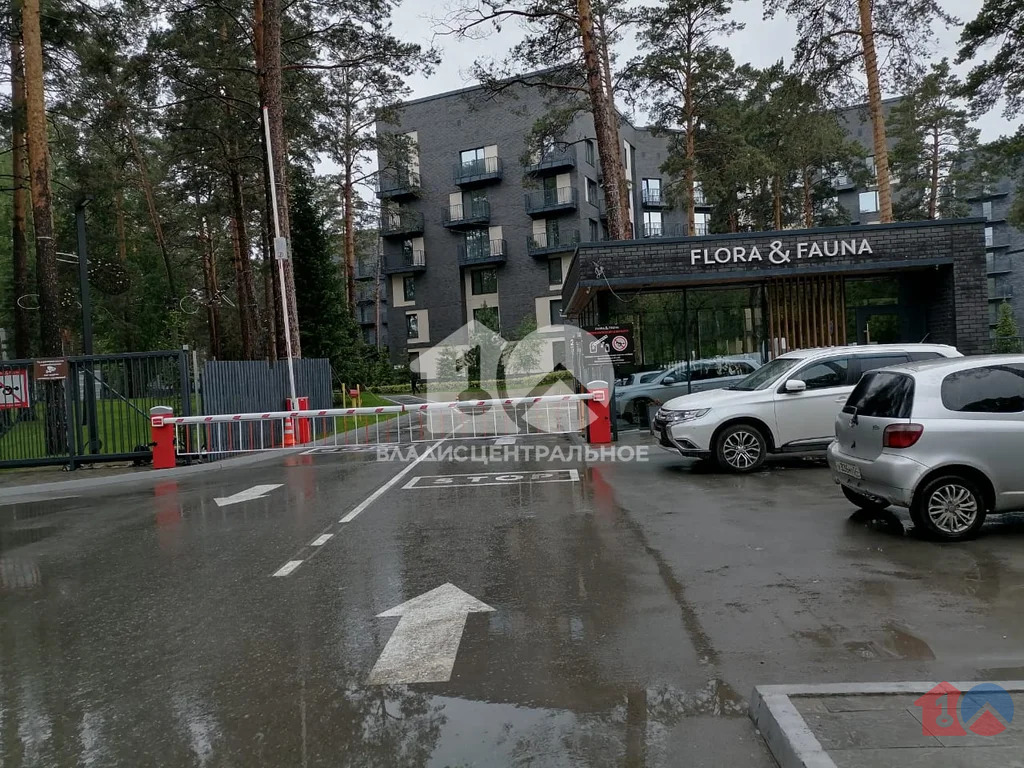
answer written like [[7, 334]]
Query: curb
[[791, 740]]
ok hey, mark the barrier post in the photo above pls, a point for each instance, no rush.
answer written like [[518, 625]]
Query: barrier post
[[599, 428], [304, 428], [162, 435]]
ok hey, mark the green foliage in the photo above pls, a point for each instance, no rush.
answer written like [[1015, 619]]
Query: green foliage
[[1007, 335], [999, 25], [933, 143]]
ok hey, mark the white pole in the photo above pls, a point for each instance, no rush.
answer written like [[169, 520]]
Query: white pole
[[280, 254]]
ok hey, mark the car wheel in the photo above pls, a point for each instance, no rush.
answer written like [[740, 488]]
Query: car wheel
[[949, 508], [741, 448], [867, 503]]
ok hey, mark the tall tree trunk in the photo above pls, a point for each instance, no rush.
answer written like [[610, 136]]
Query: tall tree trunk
[[38, 150], [690, 172], [606, 59], [933, 191], [269, 284], [808, 200], [210, 286], [19, 241], [350, 237], [867, 34], [244, 289], [777, 201], [271, 97], [606, 129], [39, 177], [154, 215]]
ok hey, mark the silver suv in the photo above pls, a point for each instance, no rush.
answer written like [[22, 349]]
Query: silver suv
[[942, 438]]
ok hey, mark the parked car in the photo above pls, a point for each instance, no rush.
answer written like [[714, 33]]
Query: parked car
[[638, 378], [632, 402], [942, 439], [788, 405]]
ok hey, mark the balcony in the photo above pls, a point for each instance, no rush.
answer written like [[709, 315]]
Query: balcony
[[551, 201], [401, 223], [476, 173], [843, 181], [366, 270], [545, 243], [1000, 292], [653, 198], [998, 265], [553, 161], [398, 184], [475, 214], [493, 252], [664, 230], [406, 261], [699, 200], [366, 315]]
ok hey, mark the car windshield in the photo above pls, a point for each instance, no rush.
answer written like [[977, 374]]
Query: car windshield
[[766, 374]]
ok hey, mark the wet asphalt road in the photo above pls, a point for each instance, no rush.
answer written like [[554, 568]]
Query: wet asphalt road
[[635, 609]]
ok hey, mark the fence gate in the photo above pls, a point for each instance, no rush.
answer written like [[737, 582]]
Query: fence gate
[[99, 412]]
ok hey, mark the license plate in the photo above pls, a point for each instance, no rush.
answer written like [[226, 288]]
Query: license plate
[[848, 469]]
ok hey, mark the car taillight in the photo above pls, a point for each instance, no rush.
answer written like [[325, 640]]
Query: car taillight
[[901, 435]]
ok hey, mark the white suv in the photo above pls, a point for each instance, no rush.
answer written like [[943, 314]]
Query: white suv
[[788, 406]]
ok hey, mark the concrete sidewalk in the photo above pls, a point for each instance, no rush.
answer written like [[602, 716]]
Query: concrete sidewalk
[[878, 725]]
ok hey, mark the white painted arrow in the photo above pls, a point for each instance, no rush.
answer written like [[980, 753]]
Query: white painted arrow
[[423, 647], [256, 492]]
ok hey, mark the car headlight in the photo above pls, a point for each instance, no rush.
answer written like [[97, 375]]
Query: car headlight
[[674, 417]]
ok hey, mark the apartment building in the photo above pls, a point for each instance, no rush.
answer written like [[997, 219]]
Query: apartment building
[[1004, 245], [478, 227]]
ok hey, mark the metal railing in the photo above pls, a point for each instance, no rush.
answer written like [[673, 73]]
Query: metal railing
[[481, 169], [552, 159], [550, 199], [548, 241], [398, 182], [492, 250], [211, 436], [652, 197], [401, 222], [478, 211], [406, 260]]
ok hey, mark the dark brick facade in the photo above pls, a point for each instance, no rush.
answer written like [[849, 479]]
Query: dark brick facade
[[949, 254]]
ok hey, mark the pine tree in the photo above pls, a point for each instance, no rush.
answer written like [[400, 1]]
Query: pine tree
[[840, 39], [682, 71], [934, 140], [1007, 337]]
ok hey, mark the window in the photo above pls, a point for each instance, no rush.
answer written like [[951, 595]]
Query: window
[[477, 244], [588, 151], [702, 223], [870, 163], [652, 224], [989, 237], [407, 251], [409, 288], [472, 157], [554, 271], [412, 326], [555, 312], [882, 395], [594, 231], [874, 362], [651, 190], [698, 194], [827, 373], [991, 389], [986, 210], [484, 281], [487, 316], [868, 202], [592, 191]]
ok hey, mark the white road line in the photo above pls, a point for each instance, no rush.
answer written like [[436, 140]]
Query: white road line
[[287, 568], [384, 488], [508, 440], [319, 541]]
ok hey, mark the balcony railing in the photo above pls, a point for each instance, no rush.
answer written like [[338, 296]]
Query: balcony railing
[[366, 315], [491, 252], [549, 200], [393, 223], [653, 198], [406, 261], [365, 293], [552, 242], [998, 265], [663, 230], [470, 215], [395, 184], [552, 160], [366, 270], [473, 172]]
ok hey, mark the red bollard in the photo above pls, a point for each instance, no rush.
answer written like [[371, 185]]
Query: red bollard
[[303, 427], [599, 430], [162, 431]]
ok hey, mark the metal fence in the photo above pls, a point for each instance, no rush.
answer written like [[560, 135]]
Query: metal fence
[[207, 437], [98, 413], [247, 386]]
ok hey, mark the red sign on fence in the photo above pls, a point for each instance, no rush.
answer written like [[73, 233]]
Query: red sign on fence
[[14, 389]]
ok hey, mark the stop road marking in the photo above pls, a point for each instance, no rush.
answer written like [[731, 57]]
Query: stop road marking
[[493, 478]]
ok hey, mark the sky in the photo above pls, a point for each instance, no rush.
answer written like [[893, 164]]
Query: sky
[[760, 43]]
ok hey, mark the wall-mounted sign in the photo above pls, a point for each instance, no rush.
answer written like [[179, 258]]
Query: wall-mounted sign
[[775, 253], [14, 389], [51, 370], [610, 343]]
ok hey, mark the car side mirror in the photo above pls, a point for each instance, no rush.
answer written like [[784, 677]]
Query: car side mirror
[[667, 380], [795, 386]]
